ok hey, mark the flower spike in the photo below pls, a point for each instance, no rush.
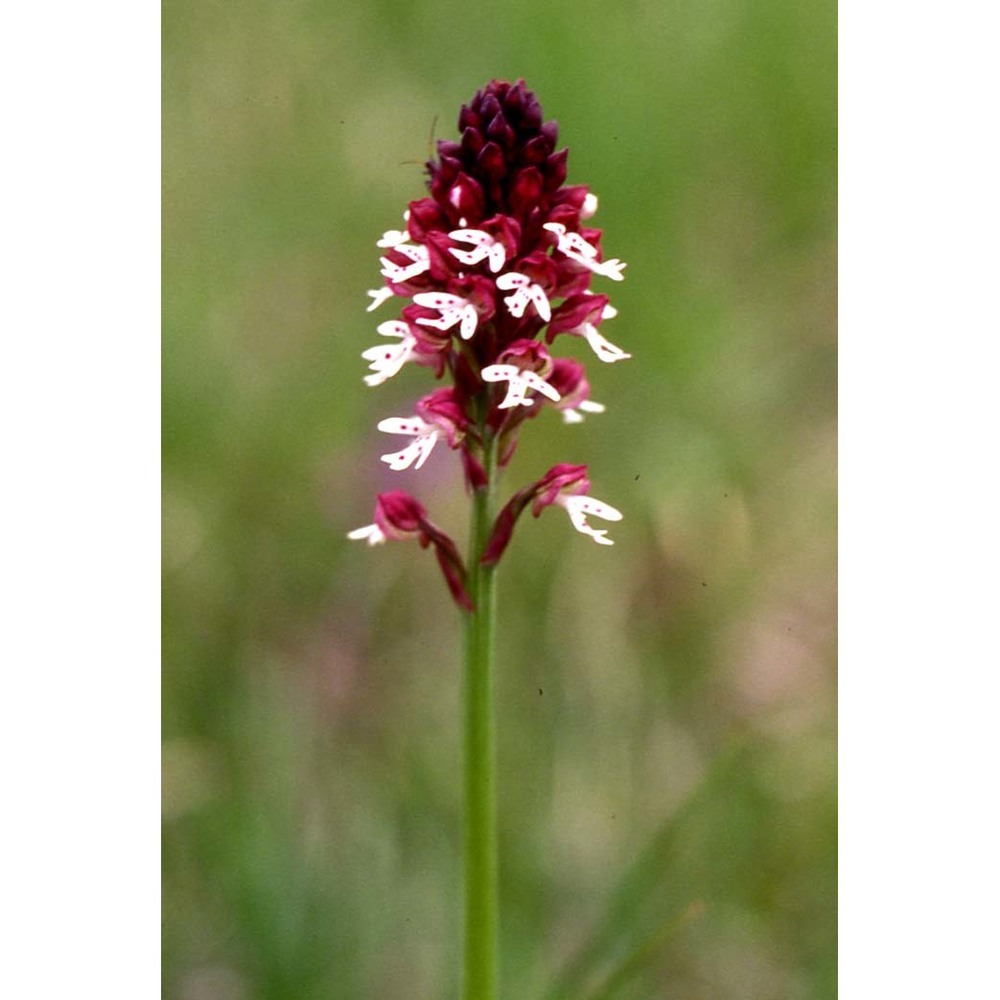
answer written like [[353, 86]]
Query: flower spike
[[491, 265]]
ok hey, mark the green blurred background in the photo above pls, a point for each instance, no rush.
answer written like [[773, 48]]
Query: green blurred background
[[666, 707]]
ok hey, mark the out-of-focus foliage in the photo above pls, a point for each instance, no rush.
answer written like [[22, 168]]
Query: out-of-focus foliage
[[666, 707]]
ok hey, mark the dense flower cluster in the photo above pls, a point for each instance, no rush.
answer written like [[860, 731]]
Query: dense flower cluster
[[492, 265]]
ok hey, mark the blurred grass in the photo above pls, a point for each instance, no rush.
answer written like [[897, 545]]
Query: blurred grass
[[667, 707]]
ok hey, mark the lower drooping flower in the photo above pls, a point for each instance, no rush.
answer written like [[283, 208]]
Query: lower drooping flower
[[398, 517], [564, 485]]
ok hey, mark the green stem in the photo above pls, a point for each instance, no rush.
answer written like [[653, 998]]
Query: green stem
[[480, 870]]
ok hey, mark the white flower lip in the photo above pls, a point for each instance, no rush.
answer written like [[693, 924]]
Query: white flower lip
[[387, 359], [453, 309], [572, 415], [485, 248], [519, 382], [398, 272], [392, 238], [525, 291], [372, 533], [424, 436], [379, 295], [601, 346], [580, 506], [574, 246]]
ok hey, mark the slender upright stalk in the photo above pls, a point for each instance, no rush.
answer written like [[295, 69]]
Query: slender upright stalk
[[480, 835]]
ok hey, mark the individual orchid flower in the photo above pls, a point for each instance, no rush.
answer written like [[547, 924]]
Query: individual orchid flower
[[399, 516], [454, 310], [525, 291], [437, 416], [564, 485], [400, 273], [574, 246], [580, 316], [519, 382], [486, 247], [424, 436], [387, 360], [567, 486]]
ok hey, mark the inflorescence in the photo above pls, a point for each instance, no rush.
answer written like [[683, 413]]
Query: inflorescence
[[497, 255]]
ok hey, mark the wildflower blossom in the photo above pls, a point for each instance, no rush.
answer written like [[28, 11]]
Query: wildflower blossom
[[519, 383], [424, 435], [498, 256], [453, 309], [398, 517], [525, 292], [564, 485], [574, 246], [486, 248], [418, 261], [444, 418], [387, 360]]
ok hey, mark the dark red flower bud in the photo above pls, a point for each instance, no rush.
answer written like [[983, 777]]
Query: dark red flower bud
[[424, 216], [472, 142], [556, 169], [526, 190], [491, 162], [398, 515]]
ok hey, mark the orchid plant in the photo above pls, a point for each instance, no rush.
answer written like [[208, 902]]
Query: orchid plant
[[497, 258]]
